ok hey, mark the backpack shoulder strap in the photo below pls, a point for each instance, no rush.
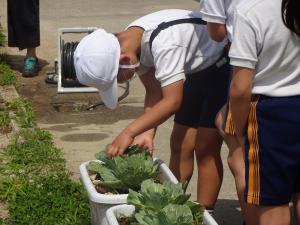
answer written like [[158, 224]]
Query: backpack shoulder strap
[[165, 25]]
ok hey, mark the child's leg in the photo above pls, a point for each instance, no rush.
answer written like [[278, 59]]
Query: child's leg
[[182, 144], [235, 158], [210, 167], [264, 215], [237, 167], [296, 203]]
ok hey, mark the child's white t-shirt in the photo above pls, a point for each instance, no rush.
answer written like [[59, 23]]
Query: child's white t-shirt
[[262, 42], [178, 50], [220, 11]]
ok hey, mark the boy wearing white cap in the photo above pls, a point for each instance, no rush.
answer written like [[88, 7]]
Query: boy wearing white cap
[[171, 52]]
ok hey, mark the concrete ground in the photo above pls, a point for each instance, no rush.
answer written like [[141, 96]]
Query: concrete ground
[[82, 134]]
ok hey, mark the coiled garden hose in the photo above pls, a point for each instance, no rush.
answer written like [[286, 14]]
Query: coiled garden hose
[[68, 69]]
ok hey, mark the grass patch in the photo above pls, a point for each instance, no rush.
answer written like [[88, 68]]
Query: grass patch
[[5, 122], [24, 113], [36, 134], [33, 152], [34, 182], [31, 158], [2, 37], [48, 200], [3, 56], [7, 76]]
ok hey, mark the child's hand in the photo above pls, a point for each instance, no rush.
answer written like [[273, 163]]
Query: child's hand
[[144, 141], [119, 145]]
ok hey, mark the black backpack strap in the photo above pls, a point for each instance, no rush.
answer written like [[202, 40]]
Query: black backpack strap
[[165, 25]]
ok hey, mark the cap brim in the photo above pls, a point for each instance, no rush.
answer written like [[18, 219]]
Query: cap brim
[[110, 95]]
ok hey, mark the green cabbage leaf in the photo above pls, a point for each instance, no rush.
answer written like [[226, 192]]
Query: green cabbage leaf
[[125, 172], [164, 204]]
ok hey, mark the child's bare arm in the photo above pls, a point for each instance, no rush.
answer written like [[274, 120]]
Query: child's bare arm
[[157, 111], [240, 98], [217, 31]]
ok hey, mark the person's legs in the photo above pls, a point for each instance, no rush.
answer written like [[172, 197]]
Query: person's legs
[[202, 99], [266, 215], [296, 196], [296, 203], [182, 151], [23, 24], [210, 167], [183, 137], [235, 158], [31, 52], [24, 32]]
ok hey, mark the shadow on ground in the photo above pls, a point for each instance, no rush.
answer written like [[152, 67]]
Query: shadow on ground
[[227, 212], [45, 100]]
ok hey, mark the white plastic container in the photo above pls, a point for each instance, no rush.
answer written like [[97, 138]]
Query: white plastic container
[[127, 210], [99, 203], [120, 210]]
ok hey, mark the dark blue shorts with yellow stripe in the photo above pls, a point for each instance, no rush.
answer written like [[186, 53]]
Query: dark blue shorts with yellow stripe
[[272, 150]]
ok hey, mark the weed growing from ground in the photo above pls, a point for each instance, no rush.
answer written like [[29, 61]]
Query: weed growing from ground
[[49, 200], [36, 134], [5, 122], [2, 37], [34, 157], [7, 76], [24, 113]]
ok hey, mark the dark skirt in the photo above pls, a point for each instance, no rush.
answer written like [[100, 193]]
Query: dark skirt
[[23, 23]]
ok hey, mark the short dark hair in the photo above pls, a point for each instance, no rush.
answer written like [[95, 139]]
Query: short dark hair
[[290, 15]]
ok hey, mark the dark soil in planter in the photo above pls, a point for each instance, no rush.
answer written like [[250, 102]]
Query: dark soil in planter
[[125, 220]]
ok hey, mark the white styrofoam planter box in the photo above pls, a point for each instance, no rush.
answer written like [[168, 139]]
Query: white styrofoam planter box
[[127, 210], [99, 203]]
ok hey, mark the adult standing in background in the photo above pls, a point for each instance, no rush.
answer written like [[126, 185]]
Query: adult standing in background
[[24, 31]]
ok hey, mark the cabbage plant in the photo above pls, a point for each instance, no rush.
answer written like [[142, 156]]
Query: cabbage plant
[[125, 172], [167, 204]]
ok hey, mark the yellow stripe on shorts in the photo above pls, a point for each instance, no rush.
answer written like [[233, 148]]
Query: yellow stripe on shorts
[[229, 128], [253, 156]]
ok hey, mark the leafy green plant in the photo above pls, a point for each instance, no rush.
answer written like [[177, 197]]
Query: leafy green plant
[[2, 37], [131, 150], [7, 76], [34, 182], [49, 201], [36, 134], [24, 113], [124, 172], [33, 151], [166, 203], [5, 122], [3, 57]]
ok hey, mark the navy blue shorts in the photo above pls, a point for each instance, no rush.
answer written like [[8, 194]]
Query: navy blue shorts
[[272, 150], [204, 94]]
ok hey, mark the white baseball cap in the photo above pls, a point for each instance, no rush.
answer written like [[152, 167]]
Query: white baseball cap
[[96, 62]]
